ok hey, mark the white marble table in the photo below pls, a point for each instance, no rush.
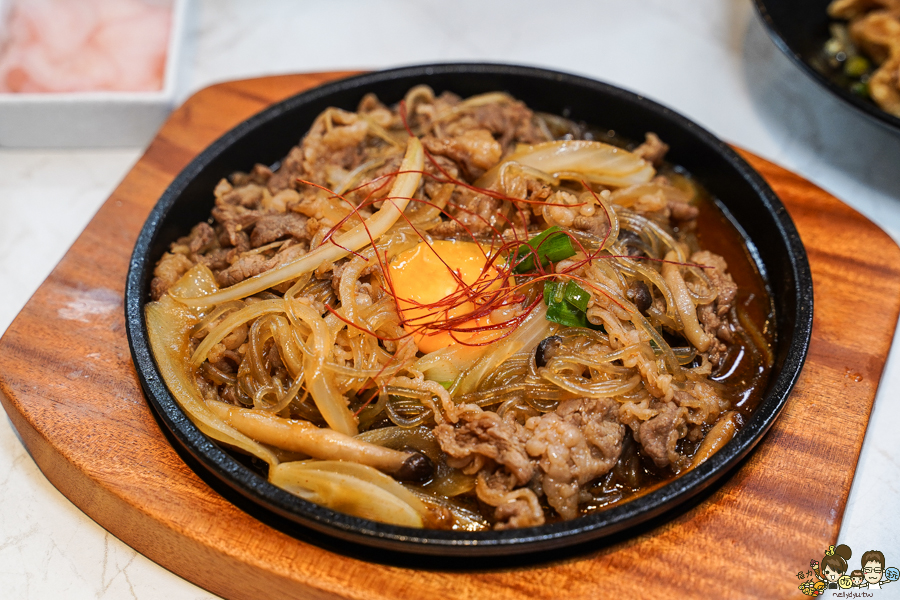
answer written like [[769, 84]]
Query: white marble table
[[708, 59]]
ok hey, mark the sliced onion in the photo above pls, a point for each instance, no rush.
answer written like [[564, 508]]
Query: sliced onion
[[476, 101], [464, 519], [352, 176], [168, 328], [321, 385], [350, 488], [235, 319], [368, 474], [530, 332], [579, 159], [447, 363]]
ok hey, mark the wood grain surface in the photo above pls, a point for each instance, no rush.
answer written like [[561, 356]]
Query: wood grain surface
[[70, 389]]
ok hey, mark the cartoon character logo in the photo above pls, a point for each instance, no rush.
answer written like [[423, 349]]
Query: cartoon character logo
[[834, 565], [811, 588], [874, 572], [831, 574]]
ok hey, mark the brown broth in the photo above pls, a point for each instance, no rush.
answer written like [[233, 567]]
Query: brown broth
[[743, 378]]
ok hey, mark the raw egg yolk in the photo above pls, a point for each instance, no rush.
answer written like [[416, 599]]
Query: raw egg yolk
[[419, 277]]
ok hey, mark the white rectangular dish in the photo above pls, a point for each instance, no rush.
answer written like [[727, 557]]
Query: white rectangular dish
[[95, 119]]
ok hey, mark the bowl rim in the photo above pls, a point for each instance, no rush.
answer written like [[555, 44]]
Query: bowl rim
[[223, 468], [867, 107]]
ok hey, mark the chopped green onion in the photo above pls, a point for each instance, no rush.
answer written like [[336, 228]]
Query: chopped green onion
[[566, 315], [566, 304], [576, 296], [553, 292], [446, 384], [551, 246]]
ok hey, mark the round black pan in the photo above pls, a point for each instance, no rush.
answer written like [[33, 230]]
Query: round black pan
[[771, 237], [800, 29]]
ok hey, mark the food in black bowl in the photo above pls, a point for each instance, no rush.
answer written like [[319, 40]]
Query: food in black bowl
[[863, 52], [508, 322], [852, 47]]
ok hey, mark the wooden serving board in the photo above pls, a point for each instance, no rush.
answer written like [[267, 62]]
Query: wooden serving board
[[68, 384]]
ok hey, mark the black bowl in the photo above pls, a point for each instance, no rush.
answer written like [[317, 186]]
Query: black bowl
[[800, 29], [771, 237]]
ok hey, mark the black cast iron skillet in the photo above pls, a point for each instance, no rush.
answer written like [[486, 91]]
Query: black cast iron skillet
[[800, 29], [266, 137]]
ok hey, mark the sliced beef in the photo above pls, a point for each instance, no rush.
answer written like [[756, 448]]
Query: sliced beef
[[248, 196], [217, 259], [334, 142], [201, 238], [274, 227], [235, 220], [475, 212], [376, 184], [168, 271], [877, 34], [597, 224], [703, 404], [252, 264], [653, 150], [475, 150], [659, 435], [573, 446], [714, 316], [371, 107], [507, 121], [884, 85], [287, 174], [282, 201], [484, 438], [514, 507], [851, 9], [223, 187], [682, 211], [186, 252]]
